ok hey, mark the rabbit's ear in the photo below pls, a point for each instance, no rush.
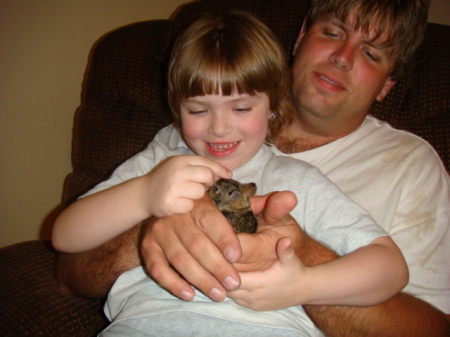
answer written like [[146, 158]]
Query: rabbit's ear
[[235, 195], [248, 190]]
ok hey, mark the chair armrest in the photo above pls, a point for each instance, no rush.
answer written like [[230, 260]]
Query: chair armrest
[[30, 303]]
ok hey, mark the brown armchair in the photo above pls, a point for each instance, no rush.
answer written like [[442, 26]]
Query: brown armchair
[[123, 106]]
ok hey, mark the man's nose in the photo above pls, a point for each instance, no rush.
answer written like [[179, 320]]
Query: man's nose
[[343, 56]]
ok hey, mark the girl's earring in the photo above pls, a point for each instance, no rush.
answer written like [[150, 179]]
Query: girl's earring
[[272, 115]]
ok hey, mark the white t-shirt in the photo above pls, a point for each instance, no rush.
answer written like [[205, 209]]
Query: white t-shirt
[[323, 211], [400, 180]]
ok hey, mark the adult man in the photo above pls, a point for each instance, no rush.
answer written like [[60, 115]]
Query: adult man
[[345, 58]]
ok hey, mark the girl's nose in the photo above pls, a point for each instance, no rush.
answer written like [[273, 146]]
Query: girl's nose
[[221, 124]]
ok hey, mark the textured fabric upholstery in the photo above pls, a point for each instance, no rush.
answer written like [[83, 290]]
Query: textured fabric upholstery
[[123, 106], [123, 102], [30, 304]]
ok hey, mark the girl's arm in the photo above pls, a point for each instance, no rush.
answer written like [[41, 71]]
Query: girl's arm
[[367, 276], [97, 218], [170, 188]]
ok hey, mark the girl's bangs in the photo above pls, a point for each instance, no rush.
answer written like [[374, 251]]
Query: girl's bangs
[[215, 81]]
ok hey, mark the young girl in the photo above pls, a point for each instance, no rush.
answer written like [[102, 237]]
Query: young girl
[[229, 92]]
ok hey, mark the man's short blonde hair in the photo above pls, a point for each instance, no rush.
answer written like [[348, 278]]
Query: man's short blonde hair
[[404, 20]]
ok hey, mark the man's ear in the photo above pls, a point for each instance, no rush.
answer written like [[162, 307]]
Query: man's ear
[[300, 36], [386, 88]]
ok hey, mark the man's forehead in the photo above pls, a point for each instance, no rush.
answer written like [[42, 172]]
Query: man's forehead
[[373, 33]]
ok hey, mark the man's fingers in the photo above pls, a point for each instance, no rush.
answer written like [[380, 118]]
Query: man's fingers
[[159, 269], [196, 274], [276, 207], [217, 246], [209, 251], [192, 254], [285, 251], [217, 228]]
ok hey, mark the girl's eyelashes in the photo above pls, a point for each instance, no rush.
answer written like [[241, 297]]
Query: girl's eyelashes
[[196, 112], [238, 110], [243, 109]]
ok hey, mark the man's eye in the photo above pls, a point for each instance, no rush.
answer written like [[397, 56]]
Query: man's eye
[[371, 56], [330, 34]]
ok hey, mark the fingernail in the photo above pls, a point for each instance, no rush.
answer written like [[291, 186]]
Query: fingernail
[[187, 296], [230, 254], [216, 295], [231, 283]]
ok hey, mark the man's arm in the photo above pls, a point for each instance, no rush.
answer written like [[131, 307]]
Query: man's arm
[[184, 247], [92, 273], [402, 315]]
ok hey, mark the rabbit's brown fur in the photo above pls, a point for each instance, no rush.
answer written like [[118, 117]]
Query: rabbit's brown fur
[[231, 197]]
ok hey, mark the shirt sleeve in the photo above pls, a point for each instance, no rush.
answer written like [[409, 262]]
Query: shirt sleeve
[[139, 164]]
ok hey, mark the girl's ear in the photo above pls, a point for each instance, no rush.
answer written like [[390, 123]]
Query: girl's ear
[[300, 36]]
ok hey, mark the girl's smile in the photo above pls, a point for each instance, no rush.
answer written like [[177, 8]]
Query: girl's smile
[[227, 129]]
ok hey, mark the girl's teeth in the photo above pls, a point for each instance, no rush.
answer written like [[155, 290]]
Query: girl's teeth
[[222, 147]]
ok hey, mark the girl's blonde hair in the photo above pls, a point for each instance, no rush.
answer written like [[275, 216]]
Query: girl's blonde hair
[[231, 52]]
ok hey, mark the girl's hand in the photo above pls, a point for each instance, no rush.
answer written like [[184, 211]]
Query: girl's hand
[[174, 184], [275, 288]]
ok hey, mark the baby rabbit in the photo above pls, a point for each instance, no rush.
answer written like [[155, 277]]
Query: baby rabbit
[[231, 197]]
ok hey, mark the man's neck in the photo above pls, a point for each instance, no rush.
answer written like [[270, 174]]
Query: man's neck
[[297, 138], [300, 144]]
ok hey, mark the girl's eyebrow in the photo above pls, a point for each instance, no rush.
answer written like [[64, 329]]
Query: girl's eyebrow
[[247, 98], [234, 100], [191, 100]]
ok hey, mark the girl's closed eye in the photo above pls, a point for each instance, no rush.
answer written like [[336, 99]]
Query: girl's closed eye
[[243, 110], [197, 112], [193, 107]]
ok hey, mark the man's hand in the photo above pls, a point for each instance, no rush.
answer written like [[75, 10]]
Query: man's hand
[[200, 247], [272, 211]]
